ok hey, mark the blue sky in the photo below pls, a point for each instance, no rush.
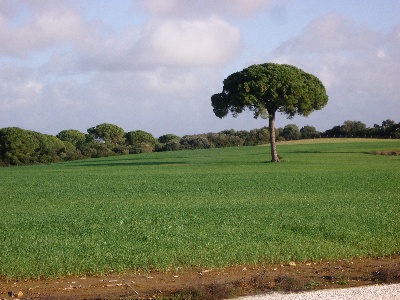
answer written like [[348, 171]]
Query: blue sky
[[153, 65]]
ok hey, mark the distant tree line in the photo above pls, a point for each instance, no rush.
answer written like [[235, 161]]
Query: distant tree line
[[22, 147]]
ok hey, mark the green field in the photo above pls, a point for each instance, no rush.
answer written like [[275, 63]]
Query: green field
[[208, 208]]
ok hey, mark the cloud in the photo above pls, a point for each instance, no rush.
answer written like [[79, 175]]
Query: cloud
[[333, 44], [74, 44], [181, 43], [71, 43], [16, 88], [189, 8], [7, 10], [359, 66], [41, 32], [330, 33]]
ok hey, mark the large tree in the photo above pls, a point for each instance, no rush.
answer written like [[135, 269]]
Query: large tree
[[269, 88]]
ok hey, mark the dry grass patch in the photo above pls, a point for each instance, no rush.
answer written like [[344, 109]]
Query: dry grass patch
[[386, 152]]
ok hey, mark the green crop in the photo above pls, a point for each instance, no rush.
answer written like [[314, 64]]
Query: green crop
[[203, 208]]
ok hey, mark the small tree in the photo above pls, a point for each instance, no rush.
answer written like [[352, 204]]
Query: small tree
[[136, 139], [353, 128], [388, 123], [168, 142], [309, 132], [111, 134], [335, 131], [49, 148], [267, 89], [17, 146], [73, 136], [291, 132], [197, 141], [167, 138]]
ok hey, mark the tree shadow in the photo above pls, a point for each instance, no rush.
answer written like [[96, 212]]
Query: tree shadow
[[133, 163], [123, 162], [320, 151]]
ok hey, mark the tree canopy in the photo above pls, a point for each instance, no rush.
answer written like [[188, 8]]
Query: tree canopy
[[140, 141], [110, 133], [71, 135], [291, 132], [17, 146], [269, 88], [309, 132]]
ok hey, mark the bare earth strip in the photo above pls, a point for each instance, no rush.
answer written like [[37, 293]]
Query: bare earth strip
[[227, 283]]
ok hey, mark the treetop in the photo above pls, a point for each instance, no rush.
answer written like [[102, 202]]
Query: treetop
[[268, 88]]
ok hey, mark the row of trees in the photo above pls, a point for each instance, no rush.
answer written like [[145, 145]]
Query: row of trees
[[20, 147], [388, 129]]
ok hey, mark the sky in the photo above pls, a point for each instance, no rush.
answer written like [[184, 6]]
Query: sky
[[153, 65]]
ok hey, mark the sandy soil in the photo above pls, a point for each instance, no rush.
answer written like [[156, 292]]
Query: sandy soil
[[211, 284]]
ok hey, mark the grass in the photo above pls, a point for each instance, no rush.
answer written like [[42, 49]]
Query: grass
[[208, 208]]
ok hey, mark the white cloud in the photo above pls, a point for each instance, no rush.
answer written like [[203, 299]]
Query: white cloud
[[181, 43], [381, 54], [7, 10], [188, 8], [72, 43], [358, 66], [330, 33], [169, 42], [165, 82], [19, 94], [44, 31]]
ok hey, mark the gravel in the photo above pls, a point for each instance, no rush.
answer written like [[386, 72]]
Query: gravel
[[375, 292]]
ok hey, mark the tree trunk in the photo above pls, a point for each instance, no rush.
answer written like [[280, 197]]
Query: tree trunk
[[274, 154]]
